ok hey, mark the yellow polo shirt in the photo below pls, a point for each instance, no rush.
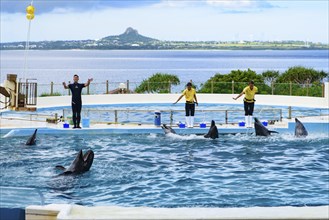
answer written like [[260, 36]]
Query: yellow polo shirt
[[249, 94], [189, 95]]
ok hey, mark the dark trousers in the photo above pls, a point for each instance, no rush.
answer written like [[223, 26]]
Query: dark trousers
[[76, 110], [248, 108], [189, 109]]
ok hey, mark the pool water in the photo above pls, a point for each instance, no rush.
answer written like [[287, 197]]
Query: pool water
[[158, 170]]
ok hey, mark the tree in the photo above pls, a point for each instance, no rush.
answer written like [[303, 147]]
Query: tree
[[236, 80], [270, 76], [302, 75], [300, 81], [158, 83]]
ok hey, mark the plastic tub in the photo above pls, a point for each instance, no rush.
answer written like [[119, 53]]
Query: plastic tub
[[181, 125], [242, 123], [85, 122]]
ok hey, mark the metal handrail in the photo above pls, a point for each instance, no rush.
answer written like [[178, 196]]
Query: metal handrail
[[170, 112], [29, 116], [107, 87]]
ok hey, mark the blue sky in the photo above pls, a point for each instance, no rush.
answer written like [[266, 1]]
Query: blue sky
[[220, 20]]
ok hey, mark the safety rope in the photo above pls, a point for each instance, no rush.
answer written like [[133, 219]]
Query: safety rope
[[27, 45]]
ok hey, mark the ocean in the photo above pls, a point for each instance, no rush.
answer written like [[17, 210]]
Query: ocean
[[136, 65]]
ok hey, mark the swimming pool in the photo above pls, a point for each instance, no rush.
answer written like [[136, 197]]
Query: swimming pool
[[144, 113], [156, 170]]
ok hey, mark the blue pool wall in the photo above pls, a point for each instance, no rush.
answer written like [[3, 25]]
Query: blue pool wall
[[12, 214], [311, 127]]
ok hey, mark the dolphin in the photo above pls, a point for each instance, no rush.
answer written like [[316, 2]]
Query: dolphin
[[213, 132], [261, 130], [32, 139], [300, 130], [167, 129], [81, 163]]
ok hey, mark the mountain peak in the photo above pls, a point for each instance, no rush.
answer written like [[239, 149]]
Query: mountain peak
[[130, 36], [131, 30]]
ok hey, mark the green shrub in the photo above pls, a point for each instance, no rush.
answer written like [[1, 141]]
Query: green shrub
[[158, 83]]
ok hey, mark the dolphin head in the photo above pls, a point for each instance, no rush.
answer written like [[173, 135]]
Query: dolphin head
[[167, 129], [88, 159], [260, 128], [77, 164], [300, 130], [213, 131], [81, 163], [257, 120]]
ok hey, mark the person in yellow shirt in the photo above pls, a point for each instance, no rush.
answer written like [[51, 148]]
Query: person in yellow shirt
[[190, 96], [249, 101]]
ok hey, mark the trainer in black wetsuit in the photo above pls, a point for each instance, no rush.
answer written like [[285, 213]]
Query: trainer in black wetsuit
[[76, 89]]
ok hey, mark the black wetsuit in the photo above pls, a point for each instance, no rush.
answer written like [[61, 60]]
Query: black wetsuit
[[76, 89]]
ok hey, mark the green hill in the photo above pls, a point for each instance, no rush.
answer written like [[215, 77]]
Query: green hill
[[132, 40], [130, 36]]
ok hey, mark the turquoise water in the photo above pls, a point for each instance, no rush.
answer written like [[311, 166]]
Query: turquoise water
[[172, 171], [160, 170]]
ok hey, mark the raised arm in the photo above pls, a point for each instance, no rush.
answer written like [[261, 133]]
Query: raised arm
[[88, 81], [65, 86]]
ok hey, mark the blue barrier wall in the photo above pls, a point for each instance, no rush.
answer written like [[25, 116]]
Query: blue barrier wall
[[12, 214]]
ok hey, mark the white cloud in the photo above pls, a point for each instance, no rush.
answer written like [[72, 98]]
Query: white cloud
[[175, 4], [174, 20], [231, 3]]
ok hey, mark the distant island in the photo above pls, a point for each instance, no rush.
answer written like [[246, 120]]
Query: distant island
[[132, 40]]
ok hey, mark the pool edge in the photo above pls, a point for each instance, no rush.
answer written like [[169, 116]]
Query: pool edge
[[68, 212]]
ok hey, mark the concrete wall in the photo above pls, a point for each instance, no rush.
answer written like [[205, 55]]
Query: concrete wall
[[275, 100], [271, 100]]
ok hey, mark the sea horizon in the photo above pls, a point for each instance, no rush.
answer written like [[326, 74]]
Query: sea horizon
[[137, 65]]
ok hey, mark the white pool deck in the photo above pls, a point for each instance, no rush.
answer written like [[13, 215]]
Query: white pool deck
[[92, 100], [67, 211]]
